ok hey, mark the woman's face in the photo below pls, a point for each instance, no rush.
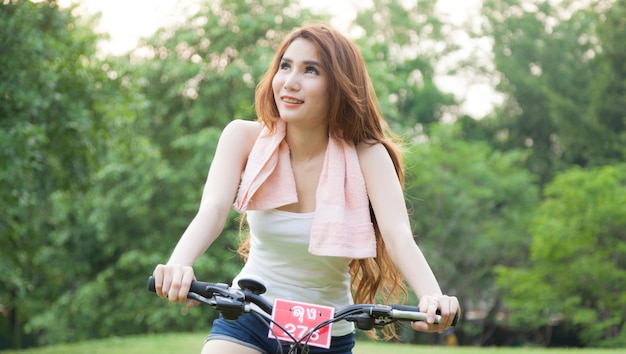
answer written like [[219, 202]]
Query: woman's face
[[300, 85]]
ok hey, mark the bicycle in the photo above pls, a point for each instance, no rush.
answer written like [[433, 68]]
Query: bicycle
[[233, 302]]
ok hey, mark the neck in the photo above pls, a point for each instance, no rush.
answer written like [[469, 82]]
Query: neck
[[306, 145]]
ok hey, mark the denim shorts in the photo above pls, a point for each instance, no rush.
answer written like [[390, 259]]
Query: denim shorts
[[251, 332]]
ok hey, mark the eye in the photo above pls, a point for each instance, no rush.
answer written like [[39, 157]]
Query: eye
[[311, 70], [284, 66]]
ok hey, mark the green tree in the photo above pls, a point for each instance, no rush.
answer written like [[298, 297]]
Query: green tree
[[402, 44], [605, 117], [51, 132], [103, 232], [470, 206], [577, 273], [546, 56]]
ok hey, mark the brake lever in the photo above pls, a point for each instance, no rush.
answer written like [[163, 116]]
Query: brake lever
[[230, 308]]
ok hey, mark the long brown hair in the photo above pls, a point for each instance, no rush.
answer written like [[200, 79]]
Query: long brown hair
[[354, 116]]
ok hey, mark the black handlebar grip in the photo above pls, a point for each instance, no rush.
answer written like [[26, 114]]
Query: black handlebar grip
[[455, 319], [151, 286], [406, 308], [197, 287]]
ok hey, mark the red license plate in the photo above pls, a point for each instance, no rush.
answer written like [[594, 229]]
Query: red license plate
[[299, 319]]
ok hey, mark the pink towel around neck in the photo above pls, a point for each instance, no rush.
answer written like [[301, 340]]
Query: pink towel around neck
[[342, 226]]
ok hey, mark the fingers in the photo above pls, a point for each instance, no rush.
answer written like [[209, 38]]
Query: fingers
[[158, 276], [431, 310], [185, 284], [173, 282], [448, 311], [192, 303], [443, 305]]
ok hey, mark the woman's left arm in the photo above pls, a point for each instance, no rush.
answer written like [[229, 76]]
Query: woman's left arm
[[387, 199]]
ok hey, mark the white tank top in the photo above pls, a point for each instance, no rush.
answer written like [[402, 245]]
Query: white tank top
[[279, 242]]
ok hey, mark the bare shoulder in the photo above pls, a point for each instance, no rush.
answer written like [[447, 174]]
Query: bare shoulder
[[241, 132], [238, 137], [371, 153], [242, 129], [376, 164]]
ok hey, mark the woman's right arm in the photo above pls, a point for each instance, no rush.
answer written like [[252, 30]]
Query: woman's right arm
[[174, 278]]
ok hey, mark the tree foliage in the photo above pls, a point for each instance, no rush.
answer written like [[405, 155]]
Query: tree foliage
[[51, 133], [577, 272], [402, 43], [547, 55], [470, 206], [605, 116], [561, 67]]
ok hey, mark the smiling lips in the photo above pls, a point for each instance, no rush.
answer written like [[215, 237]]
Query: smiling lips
[[291, 100]]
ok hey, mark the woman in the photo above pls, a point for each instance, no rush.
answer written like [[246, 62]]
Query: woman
[[321, 184]]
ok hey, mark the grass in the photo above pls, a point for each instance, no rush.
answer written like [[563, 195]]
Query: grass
[[192, 343]]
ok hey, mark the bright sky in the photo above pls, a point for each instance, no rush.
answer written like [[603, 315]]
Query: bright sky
[[126, 21]]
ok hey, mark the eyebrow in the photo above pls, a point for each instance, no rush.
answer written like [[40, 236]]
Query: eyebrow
[[306, 62]]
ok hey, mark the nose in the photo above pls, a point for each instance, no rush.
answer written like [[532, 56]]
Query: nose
[[292, 82]]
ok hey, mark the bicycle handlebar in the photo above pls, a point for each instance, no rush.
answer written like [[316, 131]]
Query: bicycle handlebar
[[229, 301], [232, 302]]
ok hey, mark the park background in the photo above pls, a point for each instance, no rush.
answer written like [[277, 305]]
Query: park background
[[519, 205]]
